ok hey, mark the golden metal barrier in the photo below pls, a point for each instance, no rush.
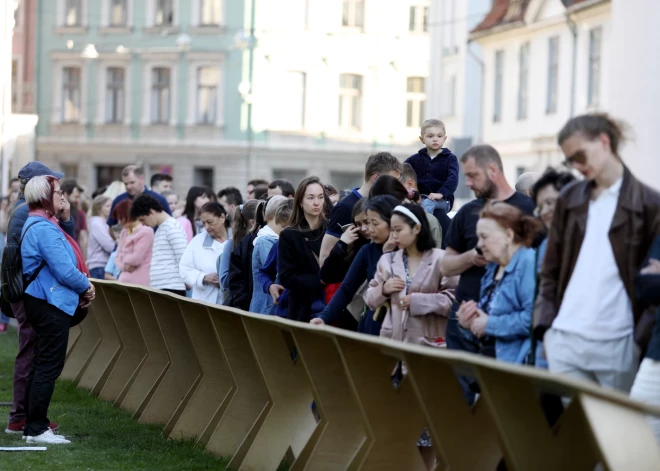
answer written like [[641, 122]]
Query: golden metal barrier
[[243, 385]]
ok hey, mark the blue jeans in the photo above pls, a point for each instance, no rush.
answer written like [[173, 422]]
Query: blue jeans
[[97, 273], [431, 206]]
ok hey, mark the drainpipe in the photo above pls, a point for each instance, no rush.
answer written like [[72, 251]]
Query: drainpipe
[[574, 31], [482, 98]]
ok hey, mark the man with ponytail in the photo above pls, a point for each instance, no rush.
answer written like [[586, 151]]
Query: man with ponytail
[[593, 326]]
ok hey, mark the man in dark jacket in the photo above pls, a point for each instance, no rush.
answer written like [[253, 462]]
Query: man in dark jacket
[[26, 334]]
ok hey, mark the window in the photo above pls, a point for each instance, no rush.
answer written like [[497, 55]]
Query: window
[[416, 101], [350, 102], [595, 42], [17, 16], [289, 99], [418, 21], [346, 180], [70, 95], [14, 86], [69, 169], [203, 176], [499, 83], [523, 79], [294, 176], [114, 104], [520, 171], [210, 12], [553, 75], [352, 13], [207, 95], [118, 13], [72, 12], [450, 107], [105, 175], [160, 95], [164, 13]]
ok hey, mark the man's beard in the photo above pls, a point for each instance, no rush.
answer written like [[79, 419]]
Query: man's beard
[[488, 191]]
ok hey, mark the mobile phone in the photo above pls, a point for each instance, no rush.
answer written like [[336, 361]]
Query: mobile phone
[[479, 251], [346, 227]]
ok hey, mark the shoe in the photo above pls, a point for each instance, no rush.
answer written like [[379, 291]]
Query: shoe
[[48, 437], [17, 427]]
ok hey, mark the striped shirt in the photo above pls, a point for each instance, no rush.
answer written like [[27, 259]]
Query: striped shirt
[[170, 242]]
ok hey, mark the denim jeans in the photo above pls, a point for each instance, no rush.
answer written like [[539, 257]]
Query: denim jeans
[[430, 206], [97, 273], [439, 209]]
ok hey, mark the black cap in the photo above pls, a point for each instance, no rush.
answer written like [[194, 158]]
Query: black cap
[[36, 169]]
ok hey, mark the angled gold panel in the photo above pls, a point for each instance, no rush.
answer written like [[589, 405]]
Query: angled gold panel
[[74, 334], [83, 350]]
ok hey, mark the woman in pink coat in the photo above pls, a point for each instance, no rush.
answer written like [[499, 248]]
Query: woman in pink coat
[[410, 284], [134, 248]]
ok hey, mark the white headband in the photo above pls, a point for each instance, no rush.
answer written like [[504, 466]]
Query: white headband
[[407, 212]]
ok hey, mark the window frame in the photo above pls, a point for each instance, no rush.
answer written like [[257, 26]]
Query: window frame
[[65, 93], [595, 66], [152, 87], [418, 23], [415, 101], [498, 86], [79, 14], [221, 13], [354, 98], [523, 80], [353, 14], [154, 18], [214, 102], [552, 92], [118, 112]]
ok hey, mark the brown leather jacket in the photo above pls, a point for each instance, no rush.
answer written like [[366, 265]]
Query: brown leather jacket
[[635, 225]]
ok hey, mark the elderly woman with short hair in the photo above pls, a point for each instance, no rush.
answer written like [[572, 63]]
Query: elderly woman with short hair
[[56, 285]]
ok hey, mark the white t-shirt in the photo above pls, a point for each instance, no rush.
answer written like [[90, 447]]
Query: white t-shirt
[[170, 243], [596, 305]]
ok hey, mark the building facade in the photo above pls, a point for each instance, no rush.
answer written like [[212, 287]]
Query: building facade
[[545, 61], [217, 91]]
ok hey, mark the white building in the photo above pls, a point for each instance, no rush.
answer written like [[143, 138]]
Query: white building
[[544, 62]]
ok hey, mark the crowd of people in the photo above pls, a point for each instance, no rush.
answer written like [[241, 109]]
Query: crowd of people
[[556, 273]]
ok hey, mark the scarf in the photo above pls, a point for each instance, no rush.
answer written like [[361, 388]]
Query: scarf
[[80, 261]]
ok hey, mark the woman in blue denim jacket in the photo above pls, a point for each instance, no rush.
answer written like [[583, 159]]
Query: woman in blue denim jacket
[[54, 264], [504, 311]]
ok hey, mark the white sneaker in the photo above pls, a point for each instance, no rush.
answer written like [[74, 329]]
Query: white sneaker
[[48, 437]]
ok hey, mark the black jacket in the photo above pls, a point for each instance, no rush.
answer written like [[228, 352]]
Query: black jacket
[[338, 262], [239, 278], [299, 270], [648, 292]]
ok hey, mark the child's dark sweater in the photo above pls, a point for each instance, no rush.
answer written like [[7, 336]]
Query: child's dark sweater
[[437, 175]]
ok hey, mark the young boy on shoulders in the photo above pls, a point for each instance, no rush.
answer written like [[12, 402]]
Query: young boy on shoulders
[[436, 167]]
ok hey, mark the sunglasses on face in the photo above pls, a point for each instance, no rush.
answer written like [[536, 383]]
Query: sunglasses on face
[[578, 158]]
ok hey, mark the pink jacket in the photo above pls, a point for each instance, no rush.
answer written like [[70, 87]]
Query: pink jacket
[[430, 301], [135, 249]]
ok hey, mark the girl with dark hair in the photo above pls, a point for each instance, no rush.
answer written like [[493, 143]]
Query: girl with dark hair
[[418, 297], [197, 197], [339, 262], [363, 268], [299, 247], [198, 266], [239, 277], [388, 185], [243, 223]]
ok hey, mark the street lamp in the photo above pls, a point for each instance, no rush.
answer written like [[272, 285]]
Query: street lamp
[[90, 52]]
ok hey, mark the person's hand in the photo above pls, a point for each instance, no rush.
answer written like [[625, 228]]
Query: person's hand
[[404, 302], [129, 268], [212, 279], [317, 321], [393, 285], [65, 213], [467, 311], [478, 260], [390, 245], [652, 268], [275, 292], [435, 196], [478, 325], [351, 235]]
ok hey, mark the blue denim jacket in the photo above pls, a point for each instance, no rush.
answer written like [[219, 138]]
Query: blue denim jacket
[[59, 283], [512, 305], [262, 303]]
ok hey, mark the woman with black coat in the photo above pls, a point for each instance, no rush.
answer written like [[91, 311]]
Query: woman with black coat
[[298, 251]]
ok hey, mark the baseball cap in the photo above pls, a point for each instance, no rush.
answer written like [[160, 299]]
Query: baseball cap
[[36, 169]]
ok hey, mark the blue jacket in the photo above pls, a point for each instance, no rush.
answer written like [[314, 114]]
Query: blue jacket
[[362, 269], [437, 175], [125, 196], [512, 305], [262, 303], [266, 276], [223, 269], [20, 215], [59, 283]]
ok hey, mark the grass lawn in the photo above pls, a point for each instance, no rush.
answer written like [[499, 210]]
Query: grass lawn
[[103, 437]]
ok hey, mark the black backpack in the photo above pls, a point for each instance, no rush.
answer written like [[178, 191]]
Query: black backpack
[[14, 282]]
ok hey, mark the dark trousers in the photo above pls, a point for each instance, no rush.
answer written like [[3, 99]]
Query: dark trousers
[[456, 340], [27, 339], [445, 222], [180, 292], [52, 327]]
